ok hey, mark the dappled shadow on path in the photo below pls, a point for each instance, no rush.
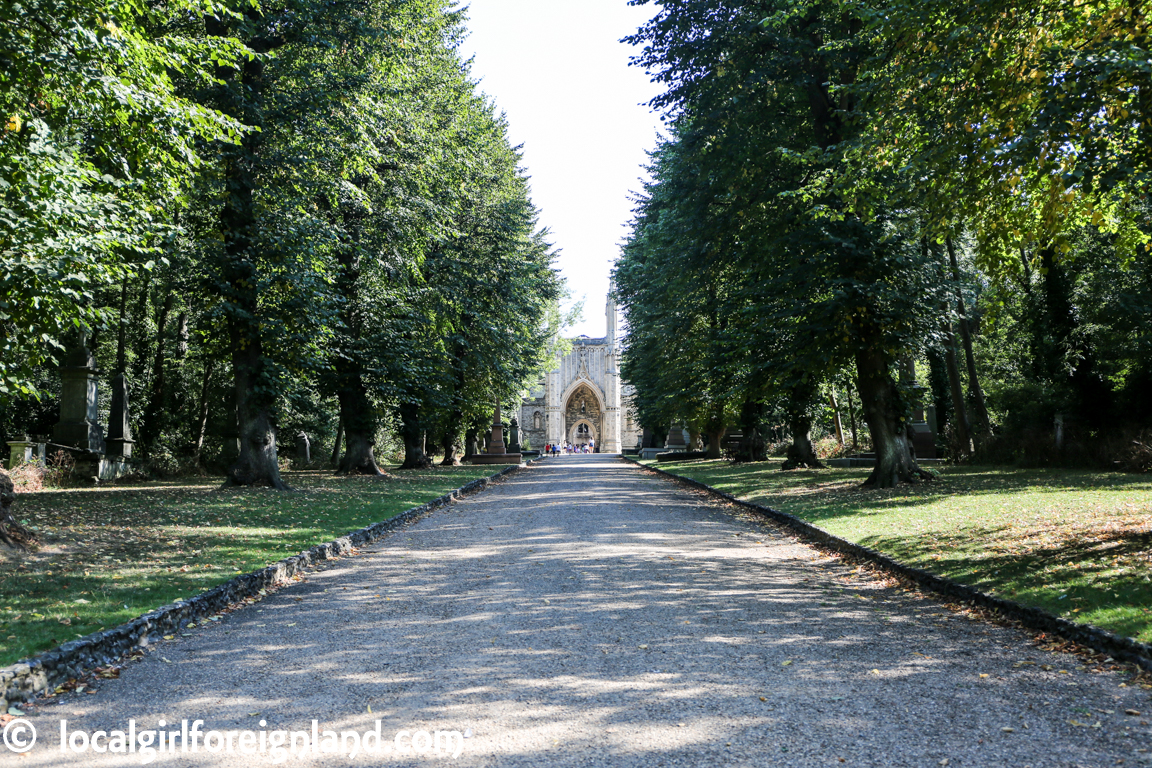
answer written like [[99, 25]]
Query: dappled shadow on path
[[583, 613]]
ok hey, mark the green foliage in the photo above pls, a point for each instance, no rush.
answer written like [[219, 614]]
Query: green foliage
[[255, 207], [96, 141], [822, 153]]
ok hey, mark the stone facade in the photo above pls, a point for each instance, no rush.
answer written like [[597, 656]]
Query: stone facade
[[583, 399]]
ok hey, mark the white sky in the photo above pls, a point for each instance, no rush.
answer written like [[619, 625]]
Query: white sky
[[556, 68]]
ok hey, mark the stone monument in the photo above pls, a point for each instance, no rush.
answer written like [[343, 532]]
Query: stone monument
[[79, 425], [303, 449], [79, 431], [496, 453], [514, 436], [119, 440], [675, 440]]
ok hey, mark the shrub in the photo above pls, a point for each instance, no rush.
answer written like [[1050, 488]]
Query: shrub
[[28, 477], [1138, 457], [830, 448], [37, 475]]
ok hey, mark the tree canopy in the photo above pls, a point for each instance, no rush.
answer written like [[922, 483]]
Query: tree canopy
[[866, 187], [269, 216]]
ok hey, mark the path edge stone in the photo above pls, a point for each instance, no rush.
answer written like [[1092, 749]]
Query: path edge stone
[[41, 673], [1118, 647]]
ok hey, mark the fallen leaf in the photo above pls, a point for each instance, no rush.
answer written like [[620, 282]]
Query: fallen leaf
[[165, 660], [643, 647], [983, 675], [15, 712], [1133, 712], [1008, 730], [786, 663], [169, 637], [763, 699]]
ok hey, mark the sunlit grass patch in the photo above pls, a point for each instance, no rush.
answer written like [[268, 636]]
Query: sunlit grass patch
[[113, 553], [1077, 543]]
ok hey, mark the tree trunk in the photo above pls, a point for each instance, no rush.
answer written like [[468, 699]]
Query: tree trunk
[[241, 91], [257, 463], [182, 335], [981, 422], [961, 425], [357, 418], [801, 454], [886, 414], [836, 415], [1093, 395], [358, 456], [852, 419], [959, 407], [139, 322], [202, 411], [150, 421], [122, 329], [941, 391], [716, 444], [336, 445], [752, 446], [448, 440], [413, 436], [12, 533]]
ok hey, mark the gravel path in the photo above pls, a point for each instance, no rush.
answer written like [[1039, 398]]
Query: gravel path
[[584, 612]]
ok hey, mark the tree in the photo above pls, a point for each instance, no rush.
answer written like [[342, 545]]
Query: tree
[[838, 286], [96, 147]]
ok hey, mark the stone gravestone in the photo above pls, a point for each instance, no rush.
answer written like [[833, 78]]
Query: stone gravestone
[[303, 449], [496, 441], [119, 440], [675, 440], [79, 425], [923, 438], [20, 452], [514, 436]]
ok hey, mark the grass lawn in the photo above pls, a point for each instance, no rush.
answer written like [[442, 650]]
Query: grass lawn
[[1076, 543], [110, 554]]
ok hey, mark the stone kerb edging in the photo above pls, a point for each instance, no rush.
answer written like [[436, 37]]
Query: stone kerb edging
[[29, 678], [1119, 648]]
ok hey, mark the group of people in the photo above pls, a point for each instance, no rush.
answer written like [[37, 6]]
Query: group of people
[[555, 449]]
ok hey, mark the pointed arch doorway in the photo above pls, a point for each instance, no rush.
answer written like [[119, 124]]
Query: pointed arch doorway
[[583, 415], [582, 433]]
